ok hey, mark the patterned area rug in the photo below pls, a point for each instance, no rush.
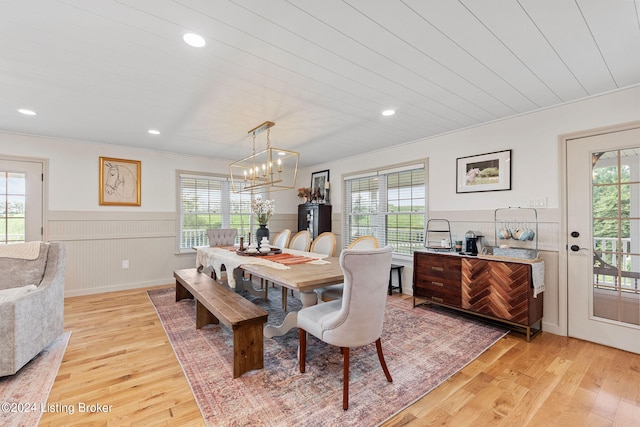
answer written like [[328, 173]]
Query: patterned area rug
[[23, 396], [423, 347]]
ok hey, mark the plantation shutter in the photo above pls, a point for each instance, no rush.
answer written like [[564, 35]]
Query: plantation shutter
[[201, 207], [390, 205], [361, 207]]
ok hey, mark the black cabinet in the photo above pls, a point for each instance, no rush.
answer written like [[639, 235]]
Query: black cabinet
[[314, 217]]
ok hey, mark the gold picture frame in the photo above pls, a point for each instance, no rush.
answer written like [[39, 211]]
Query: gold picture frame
[[119, 182]]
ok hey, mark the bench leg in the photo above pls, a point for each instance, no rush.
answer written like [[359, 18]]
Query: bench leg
[[182, 292], [204, 317], [248, 348]]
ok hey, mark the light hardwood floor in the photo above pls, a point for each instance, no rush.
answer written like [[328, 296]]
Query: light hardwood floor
[[119, 355]]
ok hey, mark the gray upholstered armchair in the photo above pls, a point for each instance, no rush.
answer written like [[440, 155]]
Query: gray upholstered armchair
[[357, 318], [31, 305]]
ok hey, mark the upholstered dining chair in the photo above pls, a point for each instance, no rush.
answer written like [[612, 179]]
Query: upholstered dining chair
[[364, 242], [324, 244], [332, 292], [281, 240], [221, 237], [357, 318], [300, 241]]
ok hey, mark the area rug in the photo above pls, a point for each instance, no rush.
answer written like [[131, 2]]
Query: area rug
[[23, 396], [423, 347]]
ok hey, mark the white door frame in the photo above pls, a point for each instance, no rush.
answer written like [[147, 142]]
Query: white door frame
[[563, 281], [45, 187]]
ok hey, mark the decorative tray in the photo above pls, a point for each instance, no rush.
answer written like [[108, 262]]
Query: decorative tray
[[273, 251]]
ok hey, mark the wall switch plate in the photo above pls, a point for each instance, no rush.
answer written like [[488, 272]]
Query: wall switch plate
[[539, 202], [125, 263]]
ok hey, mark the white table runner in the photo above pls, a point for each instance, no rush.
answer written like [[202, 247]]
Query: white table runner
[[215, 258]]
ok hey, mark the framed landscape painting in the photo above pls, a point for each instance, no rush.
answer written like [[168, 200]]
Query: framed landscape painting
[[484, 172]]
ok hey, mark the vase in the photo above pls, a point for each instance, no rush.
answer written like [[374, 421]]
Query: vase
[[261, 232]]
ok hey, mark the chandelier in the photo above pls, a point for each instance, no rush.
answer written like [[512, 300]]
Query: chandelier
[[273, 169]]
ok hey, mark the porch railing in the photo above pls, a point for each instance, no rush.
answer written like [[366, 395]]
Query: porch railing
[[627, 280]]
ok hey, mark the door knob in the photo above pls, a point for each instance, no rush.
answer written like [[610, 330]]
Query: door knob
[[575, 234], [576, 248]]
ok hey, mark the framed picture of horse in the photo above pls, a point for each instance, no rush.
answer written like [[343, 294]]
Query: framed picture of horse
[[484, 172], [119, 182]]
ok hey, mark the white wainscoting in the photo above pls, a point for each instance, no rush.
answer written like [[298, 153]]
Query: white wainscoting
[[98, 242]]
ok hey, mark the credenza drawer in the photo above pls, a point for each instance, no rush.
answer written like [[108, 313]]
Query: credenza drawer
[[438, 291], [438, 267]]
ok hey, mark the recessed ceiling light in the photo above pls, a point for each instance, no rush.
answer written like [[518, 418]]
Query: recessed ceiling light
[[27, 112], [388, 112], [154, 132], [194, 40]]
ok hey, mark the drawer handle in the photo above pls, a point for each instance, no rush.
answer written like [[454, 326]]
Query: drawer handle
[[436, 299], [438, 284], [437, 268]]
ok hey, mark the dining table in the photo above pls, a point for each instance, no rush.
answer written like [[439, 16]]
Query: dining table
[[297, 270]]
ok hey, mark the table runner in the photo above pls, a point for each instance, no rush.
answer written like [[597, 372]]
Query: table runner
[[216, 257]]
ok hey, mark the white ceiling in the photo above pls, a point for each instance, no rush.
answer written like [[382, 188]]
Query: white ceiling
[[108, 70]]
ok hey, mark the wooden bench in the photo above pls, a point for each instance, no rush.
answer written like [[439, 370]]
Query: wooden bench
[[214, 304]]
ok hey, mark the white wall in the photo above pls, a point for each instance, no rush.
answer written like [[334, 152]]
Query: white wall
[[533, 139], [73, 171], [99, 237]]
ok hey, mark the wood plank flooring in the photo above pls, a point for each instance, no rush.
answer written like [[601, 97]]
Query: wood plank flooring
[[119, 356]]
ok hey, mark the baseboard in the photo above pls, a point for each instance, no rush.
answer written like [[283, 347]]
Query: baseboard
[[118, 287]]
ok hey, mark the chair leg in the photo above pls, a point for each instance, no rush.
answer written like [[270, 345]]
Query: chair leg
[[345, 378], [303, 349], [382, 362], [284, 299]]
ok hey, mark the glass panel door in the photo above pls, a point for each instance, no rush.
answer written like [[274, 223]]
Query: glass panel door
[[603, 238], [616, 222]]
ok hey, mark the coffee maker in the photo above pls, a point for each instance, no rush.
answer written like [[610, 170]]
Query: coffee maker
[[471, 240]]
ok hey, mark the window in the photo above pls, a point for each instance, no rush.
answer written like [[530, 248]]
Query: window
[[390, 205], [12, 207], [207, 202]]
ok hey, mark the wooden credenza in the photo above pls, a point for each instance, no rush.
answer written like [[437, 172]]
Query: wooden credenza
[[491, 288]]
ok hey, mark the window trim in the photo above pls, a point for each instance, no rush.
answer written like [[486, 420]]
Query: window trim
[[386, 170], [225, 198]]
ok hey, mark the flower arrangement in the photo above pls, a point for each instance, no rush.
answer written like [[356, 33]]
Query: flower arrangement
[[304, 192], [262, 209]]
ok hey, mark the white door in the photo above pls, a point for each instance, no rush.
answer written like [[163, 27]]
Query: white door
[[21, 204], [603, 208]]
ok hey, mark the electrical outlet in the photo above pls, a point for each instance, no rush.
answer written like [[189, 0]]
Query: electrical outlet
[[125, 263]]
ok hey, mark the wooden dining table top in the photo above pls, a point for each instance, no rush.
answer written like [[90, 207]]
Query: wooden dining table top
[[301, 277]]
